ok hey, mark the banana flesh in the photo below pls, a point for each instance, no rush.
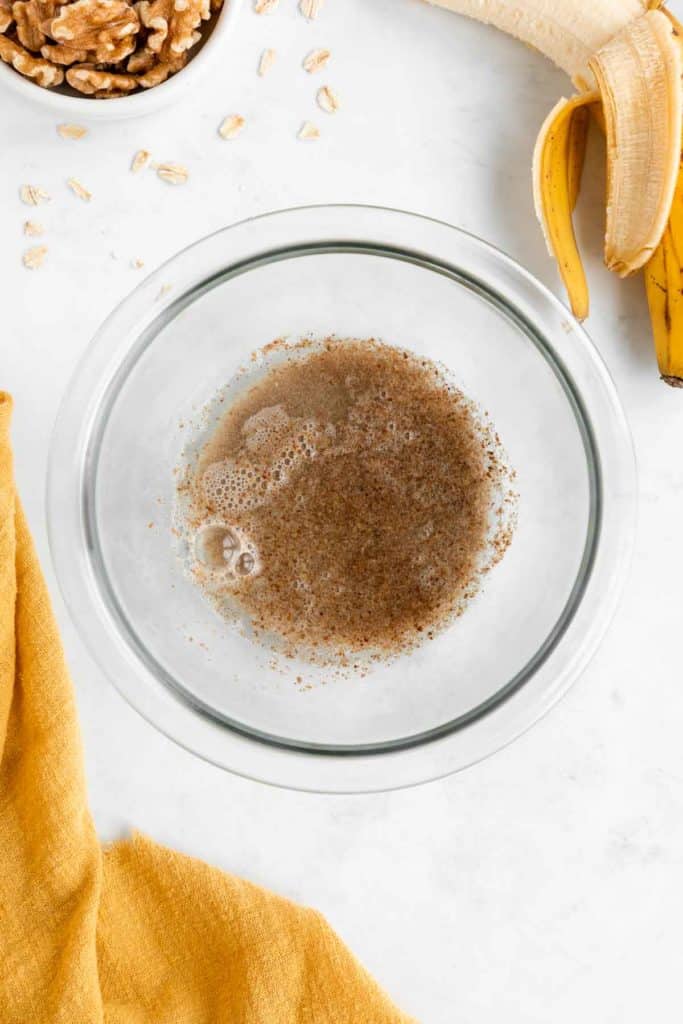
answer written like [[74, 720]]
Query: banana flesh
[[558, 163], [568, 32], [639, 77]]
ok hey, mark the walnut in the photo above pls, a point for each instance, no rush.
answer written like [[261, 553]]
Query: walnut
[[141, 61], [29, 15], [6, 16], [160, 72], [110, 47], [61, 53], [97, 25], [41, 71], [93, 82], [172, 24]]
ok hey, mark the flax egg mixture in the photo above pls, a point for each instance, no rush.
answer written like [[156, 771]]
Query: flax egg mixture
[[349, 501]]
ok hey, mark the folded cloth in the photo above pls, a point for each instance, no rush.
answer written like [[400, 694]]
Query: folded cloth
[[132, 933]]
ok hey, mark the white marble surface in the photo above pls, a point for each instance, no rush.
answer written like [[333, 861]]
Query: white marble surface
[[543, 885]]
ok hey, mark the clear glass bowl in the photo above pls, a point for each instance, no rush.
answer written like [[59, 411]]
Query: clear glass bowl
[[358, 272]]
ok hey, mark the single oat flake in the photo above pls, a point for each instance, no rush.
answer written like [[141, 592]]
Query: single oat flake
[[33, 229], [266, 62], [328, 100], [310, 8], [308, 132], [173, 174], [140, 160], [316, 60], [33, 195], [79, 190], [72, 131], [34, 258], [265, 6], [231, 126], [137, 264]]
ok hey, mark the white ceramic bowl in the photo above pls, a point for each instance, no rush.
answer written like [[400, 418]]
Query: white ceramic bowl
[[83, 107]]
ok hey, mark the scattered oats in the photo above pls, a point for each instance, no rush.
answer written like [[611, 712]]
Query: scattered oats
[[164, 290], [328, 100], [266, 62], [33, 195], [140, 160], [72, 131], [174, 174], [231, 126], [34, 258], [310, 8], [316, 61], [79, 190], [265, 6], [33, 229], [308, 132], [137, 263]]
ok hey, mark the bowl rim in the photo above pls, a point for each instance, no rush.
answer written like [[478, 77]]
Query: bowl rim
[[140, 103], [72, 424]]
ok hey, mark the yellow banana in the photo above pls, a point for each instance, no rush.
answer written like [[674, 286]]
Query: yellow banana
[[628, 52]]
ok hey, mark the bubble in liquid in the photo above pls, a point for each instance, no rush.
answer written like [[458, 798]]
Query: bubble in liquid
[[245, 563], [215, 546]]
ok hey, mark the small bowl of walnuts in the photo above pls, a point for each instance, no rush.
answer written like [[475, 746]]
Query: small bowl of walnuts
[[66, 55]]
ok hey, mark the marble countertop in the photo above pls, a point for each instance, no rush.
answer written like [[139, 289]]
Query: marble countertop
[[545, 884]]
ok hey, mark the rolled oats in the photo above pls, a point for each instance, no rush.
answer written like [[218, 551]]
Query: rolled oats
[[140, 160], [72, 131], [33, 195], [35, 257], [328, 100], [173, 174], [80, 190], [308, 132], [266, 62], [231, 126], [310, 8], [33, 229], [316, 61]]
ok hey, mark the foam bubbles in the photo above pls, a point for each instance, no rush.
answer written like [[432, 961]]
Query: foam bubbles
[[225, 552], [275, 447]]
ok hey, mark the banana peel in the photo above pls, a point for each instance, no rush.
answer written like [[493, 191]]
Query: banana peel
[[629, 53], [664, 289], [557, 168]]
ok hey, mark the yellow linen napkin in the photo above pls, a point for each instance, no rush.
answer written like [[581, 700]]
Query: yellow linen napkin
[[134, 933]]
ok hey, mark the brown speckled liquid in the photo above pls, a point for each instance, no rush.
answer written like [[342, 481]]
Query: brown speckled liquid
[[345, 502]]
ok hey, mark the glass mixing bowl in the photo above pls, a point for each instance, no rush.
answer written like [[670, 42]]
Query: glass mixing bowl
[[353, 272]]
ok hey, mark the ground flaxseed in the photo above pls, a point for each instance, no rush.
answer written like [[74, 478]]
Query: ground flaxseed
[[348, 500]]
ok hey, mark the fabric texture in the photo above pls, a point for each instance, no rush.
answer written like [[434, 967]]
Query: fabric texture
[[134, 933]]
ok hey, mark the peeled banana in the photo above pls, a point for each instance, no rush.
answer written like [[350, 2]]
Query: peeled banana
[[625, 60]]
